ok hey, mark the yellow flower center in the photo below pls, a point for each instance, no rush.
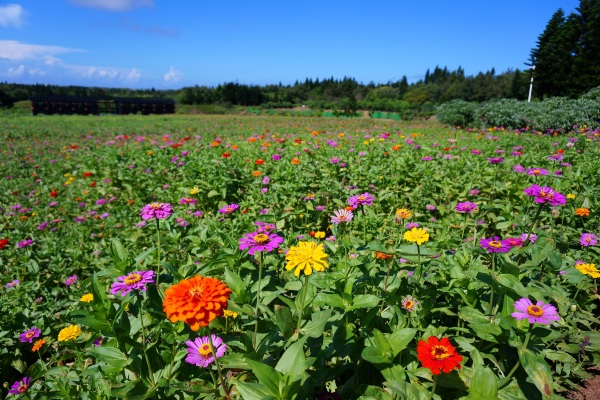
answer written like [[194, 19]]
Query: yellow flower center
[[535, 311], [196, 291], [29, 335], [409, 304], [440, 352], [22, 388], [132, 279], [228, 209], [156, 206], [547, 195], [204, 350], [361, 198], [536, 171], [261, 238], [495, 244], [342, 217]]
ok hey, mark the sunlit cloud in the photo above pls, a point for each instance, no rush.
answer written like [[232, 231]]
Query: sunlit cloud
[[114, 5], [13, 50], [173, 75], [104, 74], [11, 14], [22, 70]]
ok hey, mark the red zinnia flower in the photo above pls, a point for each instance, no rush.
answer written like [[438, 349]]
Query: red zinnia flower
[[54, 193], [93, 184], [3, 243], [226, 154], [87, 174], [259, 161], [438, 355]]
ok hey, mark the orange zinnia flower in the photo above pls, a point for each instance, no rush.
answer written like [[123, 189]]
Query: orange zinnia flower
[[256, 173], [259, 161], [38, 344], [226, 154], [196, 301], [295, 161], [438, 355], [582, 212], [383, 256]]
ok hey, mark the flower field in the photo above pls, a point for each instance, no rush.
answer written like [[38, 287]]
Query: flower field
[[215, 257]]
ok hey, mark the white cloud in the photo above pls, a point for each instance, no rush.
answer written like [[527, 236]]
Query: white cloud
[[105, 74], [16, 71], [11, 14], [114, 5], [16, 51], [173, 75], [21, 70]]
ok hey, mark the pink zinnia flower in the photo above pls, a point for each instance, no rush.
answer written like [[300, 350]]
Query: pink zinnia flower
[[156, 210], [536, 313], [537, 171], [200, 353], [71, 280], [494, 245], [466, 207], [513, 242], [187, 200], [588, 239], [260, 240], [341, 216], [365, 199], [29, 335], [21, 386], [229, 209], [545, 195], [133, 281]]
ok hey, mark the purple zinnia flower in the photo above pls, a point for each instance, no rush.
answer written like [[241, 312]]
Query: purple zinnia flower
[[539, 312], [181, 222], [276, 157], [537, 171], [98, 341], [473, 192], [494, 245], [71, 280], [342, 215], [544, 194], [13, 283], [229, 208], [588, 239], [466, 207], [495, 160], [260, 240], [334, 160], [156, 210], [519, 168], [25, 243], [430, 207], [42, 226], [29, 335], [411, 225], [266, 180], [132, 281], [100, 202], [513, 242], [200, 352], [21, 386], [532, 237], [365, 199]]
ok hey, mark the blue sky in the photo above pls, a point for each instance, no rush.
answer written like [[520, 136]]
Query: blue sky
[[168, 44]]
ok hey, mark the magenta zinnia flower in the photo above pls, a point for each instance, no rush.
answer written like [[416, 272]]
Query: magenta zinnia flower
[[229, 208], [21, 386], [156, 210], [513, 242], [365, 199], [494, 245], [260, 241], [537, 171], [25, 243], [545, 195], [467, 207], [29, 335], [539, 312], [132, 281], [341, 216], [71, 280], [199, 352], [495, 160], [588, 239]]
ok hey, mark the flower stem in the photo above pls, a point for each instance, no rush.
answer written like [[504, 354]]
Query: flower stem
[[387, 275], [141, 317], [419, 264], [490, 315], [214, 354], [157, 251], [534, 224], [435, 380], [301, 310], [260, 265]]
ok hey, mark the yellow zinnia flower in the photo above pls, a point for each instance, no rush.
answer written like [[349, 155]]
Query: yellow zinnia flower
[[403, 213], [228, 313], [194, 190], [319, 235], [570, 196], [69, 333], [306, 257], [418, 235], [87, 298], [588, 269]]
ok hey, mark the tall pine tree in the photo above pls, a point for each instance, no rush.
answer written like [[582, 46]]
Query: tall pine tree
[[586, 65]]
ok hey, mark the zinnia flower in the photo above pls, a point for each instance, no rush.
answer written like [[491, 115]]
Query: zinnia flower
[[87, 298], [582, 212], [341, 216], [260, 241], [494, 245], [403, 213], [467, 207], [228, 209], [588, 269], [305, 257], [38, 345], [418, 235], [71, 280], [29, 335], [156, 210], [196, 301], [133, 281], [409, 303], [438, 355], [69, 333], [539, 312], [200, 353], [365, 199], [588, 239], [545, 195], [21, 386], [537, 171]]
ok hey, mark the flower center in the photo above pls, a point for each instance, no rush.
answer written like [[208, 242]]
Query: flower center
[[440, 352], [228, 209], [156, 206], [132, 279], [22, 388], [29, 335], [535, 311], [536, 171], [495, 244], [196, 291], [261, 238], [409, 305], [547, 195], [361, 198], [342, 217], [204, 350]]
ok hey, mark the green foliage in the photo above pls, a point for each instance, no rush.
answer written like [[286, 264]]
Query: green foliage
[[457, 113]]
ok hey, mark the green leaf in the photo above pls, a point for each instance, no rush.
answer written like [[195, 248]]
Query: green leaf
[[329, 299], [364, 301], [408, 391], [375, 355], [234, 281], [316, 326], [117, 251], [484, 384], [538, 371], [266, 375], [559, 356], [293, 361], [284, 320], [503, 224], [254, 391], [110, 355], [400, 339]]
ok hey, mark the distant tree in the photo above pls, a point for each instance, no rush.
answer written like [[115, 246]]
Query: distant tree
[[586, 63]]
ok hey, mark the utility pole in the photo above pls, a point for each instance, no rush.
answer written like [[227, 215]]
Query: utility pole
[[531, 84]]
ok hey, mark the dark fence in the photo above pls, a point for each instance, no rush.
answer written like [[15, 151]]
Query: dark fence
[[70, 105]]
